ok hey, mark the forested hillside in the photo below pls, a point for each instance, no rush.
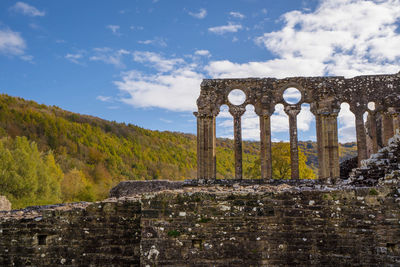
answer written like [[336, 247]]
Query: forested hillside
[[77, 157]]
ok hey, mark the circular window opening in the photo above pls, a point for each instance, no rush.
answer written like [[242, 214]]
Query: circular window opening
[[371, 106], [237, 97], [292, 95]]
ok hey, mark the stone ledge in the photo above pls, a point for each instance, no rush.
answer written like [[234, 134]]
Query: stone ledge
[[129, 188]]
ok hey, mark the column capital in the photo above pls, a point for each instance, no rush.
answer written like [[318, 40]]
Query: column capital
[[262, 109], [237, 111], [292, 110], [393, 111], [263, 112], [202, 115], [329, 107]]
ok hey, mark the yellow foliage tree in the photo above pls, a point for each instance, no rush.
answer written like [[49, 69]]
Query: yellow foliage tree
[[75, 187], [281, 164]]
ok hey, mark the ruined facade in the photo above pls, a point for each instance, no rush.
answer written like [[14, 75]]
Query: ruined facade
[[376, 94]]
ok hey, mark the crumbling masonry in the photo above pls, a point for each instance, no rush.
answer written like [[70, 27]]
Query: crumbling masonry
[[376, 94]]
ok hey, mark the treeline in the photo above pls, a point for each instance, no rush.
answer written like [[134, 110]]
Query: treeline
[[91, 155]]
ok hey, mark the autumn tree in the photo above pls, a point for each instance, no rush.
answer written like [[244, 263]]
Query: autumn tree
[[281, 164]]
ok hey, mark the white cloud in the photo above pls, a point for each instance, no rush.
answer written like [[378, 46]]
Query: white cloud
[[201, 14], [24, 8], [156, 41], [348, 37], [74, 58], [278, 68], [156, 60], [104, 98], [225, 28], [110, 56], [237, 15], [11, 43], [114, 29], [205, 53], [175, 91]]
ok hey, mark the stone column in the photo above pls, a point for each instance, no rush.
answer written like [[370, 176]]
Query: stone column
[[265, 146], [373, 131], [395, 113], [206, 156], [237, 113], [292, 111], [396, 122], [327, 142], [387, 127], [361, 136]]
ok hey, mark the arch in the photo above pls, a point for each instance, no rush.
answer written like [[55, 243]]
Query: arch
[[237, 97], [292, 96], [346, 133], [280, 124], [224, 147], [306, 124], [307, 142], [251, 133], [346, 123], [371, 106], [281, 90]]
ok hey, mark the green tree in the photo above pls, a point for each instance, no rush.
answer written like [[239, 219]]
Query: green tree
[[27, 176]]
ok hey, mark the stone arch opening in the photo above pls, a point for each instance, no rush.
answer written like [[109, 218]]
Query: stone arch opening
[[280, 124], [224, 146], [307, 138], [236, 97], [251, 134], [373, 125], [346, 133], [291, 95], [371, 106], [280, 143]]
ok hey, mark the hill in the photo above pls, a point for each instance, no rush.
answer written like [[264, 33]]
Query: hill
[[94, 154]]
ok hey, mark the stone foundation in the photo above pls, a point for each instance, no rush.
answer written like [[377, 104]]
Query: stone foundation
[[219, 225]]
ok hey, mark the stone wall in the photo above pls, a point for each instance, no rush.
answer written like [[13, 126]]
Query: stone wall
[[98, 234], [255, 225]]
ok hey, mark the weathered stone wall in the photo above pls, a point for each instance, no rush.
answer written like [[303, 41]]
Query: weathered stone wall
[[99, 234], [254, 225], [295, 227]]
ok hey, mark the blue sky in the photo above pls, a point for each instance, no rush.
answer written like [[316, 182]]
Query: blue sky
[[142, 61]]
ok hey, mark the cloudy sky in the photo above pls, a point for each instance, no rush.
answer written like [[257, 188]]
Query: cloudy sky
[[142, 61]]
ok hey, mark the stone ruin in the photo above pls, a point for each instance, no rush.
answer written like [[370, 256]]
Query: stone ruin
[[376, 94], [250, 222]]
